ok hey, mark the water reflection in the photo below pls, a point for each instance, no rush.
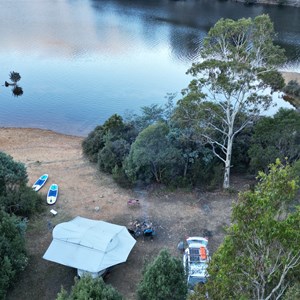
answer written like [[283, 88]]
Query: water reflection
[[185, 45], [16, 89], [76, 28], [54, 29], [186, 23], [84, 60]]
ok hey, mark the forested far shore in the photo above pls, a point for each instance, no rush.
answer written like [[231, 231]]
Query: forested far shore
[[295, 3]]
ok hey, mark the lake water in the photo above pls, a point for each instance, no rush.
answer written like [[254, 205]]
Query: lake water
[[82, 61]]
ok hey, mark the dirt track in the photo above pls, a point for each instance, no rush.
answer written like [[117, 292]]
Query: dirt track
[[88, 193]]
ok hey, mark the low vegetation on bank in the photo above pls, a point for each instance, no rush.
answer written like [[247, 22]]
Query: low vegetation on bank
[[17, 203], [292, 93]]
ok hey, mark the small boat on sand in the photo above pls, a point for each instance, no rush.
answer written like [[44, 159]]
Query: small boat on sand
[[40, 182]]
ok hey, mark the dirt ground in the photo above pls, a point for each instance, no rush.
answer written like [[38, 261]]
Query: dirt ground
[[84, 191], [288, 76]]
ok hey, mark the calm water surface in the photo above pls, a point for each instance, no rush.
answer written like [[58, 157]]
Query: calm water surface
[[82, 61]]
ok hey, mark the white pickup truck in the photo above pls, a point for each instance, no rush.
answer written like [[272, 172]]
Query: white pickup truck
[[195, 261]]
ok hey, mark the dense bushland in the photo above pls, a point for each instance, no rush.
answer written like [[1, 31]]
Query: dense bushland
[[15, 196], [147, 149], [216, 127], [275, 137], [260, 257], [164, 151], [17, 202]]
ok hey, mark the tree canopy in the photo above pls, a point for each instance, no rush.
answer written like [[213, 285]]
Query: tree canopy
[[15, 196], [260, 256], [151, 153], [112, 130], [12, 174], [230, 86], [163, 279], [275, 137], [87, 288], [13, 257]]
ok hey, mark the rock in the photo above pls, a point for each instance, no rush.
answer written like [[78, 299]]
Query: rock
[[206, 209]]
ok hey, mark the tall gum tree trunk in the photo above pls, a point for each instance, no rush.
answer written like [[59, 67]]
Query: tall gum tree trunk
[[226, 182]]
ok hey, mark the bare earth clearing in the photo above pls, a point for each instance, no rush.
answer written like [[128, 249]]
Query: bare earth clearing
[[288, 76], [175, 215]]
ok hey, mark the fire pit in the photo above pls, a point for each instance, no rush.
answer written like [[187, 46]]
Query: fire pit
[[138, 228]]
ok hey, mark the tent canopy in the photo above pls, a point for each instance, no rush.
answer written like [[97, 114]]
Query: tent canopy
[[89, 245]]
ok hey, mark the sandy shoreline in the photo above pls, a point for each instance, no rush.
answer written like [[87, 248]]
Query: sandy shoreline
[[83, 191], [86, 192], [59, 155], [288, 76]]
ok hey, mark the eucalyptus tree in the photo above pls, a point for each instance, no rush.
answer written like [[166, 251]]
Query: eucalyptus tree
[[238, 68], [148, 116], [259, 257]]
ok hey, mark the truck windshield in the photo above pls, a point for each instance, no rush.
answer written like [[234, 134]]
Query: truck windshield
[[193, 280]]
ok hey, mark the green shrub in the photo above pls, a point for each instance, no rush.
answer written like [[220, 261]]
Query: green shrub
[[293, 292], [13, 174], [120, 177], [22, 202], [113, 154], [112, 130], [88, 288], [163, 278], [152, 156], [93, 143], [292, 88], [275, 137], [15, 196], [13, 257]]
